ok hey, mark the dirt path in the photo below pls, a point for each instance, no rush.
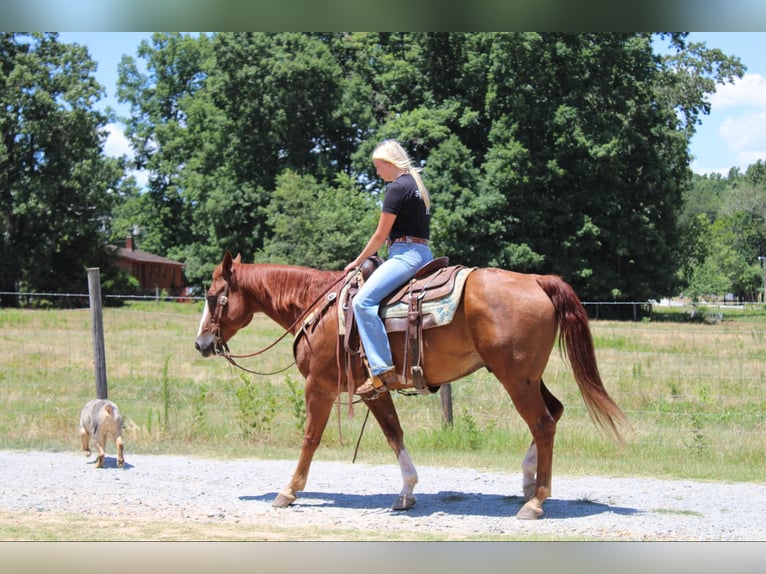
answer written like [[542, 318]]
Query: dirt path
[[176, 498]]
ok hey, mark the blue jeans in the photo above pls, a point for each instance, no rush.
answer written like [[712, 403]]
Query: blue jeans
[[404, 259]]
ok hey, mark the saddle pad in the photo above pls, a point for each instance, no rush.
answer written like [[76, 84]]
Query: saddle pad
[[442, 310]]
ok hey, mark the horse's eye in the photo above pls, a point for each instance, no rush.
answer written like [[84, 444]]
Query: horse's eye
[[211, 301]]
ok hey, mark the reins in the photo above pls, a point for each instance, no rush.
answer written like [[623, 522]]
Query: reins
[[306, 318]]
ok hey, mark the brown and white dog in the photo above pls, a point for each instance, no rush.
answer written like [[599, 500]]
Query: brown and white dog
[[99, 418]]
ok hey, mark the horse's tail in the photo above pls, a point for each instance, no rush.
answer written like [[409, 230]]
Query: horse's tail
[[576, 340]]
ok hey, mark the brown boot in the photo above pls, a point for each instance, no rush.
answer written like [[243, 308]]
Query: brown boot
[[376, 385]]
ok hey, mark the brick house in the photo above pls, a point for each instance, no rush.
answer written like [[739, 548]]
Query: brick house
[[152, 271]]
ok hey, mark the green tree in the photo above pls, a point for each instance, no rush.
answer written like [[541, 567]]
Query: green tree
[[724, 268], [727, 234], [164, 133], [704, 195], [218, 119], [318, 225], [584, 152], [56, 187], [540, 150]]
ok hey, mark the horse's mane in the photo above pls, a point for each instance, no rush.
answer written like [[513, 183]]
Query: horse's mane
[[291, 287]]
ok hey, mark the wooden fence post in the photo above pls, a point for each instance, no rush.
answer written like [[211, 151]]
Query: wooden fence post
[[446, 396], [97, 320]]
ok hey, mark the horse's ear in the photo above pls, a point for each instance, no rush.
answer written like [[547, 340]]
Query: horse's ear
[[238, 258], [226, 263]]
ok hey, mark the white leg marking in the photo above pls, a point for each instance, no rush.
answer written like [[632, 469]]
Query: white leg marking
[[409, 474], [529, 471], [406, 499]]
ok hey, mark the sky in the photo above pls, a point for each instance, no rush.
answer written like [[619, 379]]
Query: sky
[[732, 135]]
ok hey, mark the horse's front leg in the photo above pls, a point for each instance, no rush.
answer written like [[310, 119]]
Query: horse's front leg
[[318, 407], [385, 413]]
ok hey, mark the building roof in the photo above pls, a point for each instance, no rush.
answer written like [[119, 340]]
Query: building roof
[[138, 256], [143, 257]]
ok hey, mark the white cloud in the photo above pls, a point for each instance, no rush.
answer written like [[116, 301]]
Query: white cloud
[[749, 157], [744, 132], [117, 145], [748, 91]]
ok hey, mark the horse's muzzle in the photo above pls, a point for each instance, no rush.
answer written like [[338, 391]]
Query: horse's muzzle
[[205, 344]]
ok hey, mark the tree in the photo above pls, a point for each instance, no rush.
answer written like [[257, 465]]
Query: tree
[[218, 119], [56, 187], [165, 134], [727, 234], [317, 225], [540, 150]]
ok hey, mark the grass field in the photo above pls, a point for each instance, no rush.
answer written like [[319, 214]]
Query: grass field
[[693, 391]]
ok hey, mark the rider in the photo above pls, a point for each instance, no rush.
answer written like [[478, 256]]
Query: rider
[[404, 225]]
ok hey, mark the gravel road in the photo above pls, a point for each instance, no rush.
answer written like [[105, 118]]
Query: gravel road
[[346, 501]]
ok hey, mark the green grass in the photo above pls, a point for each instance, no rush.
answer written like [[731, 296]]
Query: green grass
[[693, 391]]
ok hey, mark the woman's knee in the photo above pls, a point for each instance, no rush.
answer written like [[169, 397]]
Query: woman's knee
[[364, 306]]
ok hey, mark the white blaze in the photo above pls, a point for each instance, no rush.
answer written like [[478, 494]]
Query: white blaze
[[205, 316]]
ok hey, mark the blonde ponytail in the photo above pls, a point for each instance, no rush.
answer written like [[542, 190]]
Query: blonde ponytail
[[392, 152]]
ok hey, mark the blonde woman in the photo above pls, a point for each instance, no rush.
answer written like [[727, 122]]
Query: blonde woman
[[404, 225]]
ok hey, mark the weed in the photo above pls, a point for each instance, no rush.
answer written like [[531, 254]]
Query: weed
[[678, 512], [199, 415], [698, 441], [473, 435], [257, 407], [298, 402]]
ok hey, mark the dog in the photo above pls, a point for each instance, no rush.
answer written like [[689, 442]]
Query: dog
[[99, 418]]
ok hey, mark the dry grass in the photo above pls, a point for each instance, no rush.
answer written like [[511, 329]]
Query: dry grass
[[692, 391]]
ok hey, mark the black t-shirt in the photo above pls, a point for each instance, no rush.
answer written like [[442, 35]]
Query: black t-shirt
[[403, 199]]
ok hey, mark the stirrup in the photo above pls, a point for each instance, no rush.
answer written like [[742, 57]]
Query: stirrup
[[376, 385]]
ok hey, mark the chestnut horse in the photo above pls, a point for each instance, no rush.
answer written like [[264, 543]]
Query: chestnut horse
[[506, 322]]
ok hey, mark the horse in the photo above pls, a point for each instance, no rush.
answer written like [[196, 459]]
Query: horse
[[506, 322]]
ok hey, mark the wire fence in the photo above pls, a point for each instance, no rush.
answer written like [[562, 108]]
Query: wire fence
[[53, 299], [692, 385]]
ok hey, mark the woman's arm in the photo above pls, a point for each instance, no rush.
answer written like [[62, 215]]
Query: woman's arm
[[376, 241]]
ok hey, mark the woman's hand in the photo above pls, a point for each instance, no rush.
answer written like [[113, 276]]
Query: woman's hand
[[385, 223]]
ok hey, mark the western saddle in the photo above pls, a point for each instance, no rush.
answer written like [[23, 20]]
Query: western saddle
[[434, 282]]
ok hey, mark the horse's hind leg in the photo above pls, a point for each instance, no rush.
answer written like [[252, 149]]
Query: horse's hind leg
[[528, 397], [384, 411], [318, 408], [529, 464]]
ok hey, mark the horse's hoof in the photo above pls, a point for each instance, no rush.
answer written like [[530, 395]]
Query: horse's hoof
[[404, 502], [530, 511], [283, 500]]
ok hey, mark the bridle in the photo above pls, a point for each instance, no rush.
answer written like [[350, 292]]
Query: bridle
[[305, 319], [219, 345]]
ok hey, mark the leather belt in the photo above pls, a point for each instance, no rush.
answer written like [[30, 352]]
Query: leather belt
[[408, 239]]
